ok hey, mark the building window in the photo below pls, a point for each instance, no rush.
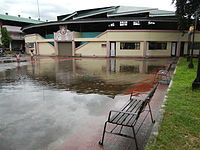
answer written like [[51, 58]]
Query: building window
[[111, 25], [136, 23], [196, 45], [130, 45], [157, 45], [123, 23], [103, 45], [151, 22]]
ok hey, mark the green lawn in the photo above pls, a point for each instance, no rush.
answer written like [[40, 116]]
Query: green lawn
[[180, 127]]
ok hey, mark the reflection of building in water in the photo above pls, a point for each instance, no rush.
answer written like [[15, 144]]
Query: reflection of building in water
[[102, 76]]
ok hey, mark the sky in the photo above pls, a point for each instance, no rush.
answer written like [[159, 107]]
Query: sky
[[50, 9]]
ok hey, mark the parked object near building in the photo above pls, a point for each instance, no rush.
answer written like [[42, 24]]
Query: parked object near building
[[117, 31]]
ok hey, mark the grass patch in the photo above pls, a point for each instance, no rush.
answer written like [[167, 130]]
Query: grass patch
[[180, 127]]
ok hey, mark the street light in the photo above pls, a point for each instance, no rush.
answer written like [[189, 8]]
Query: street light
[[192, 30], [38, 10], [189, 44], [196, 82]]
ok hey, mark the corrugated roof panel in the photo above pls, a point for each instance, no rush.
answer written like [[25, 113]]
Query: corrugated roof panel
[[88, 13], [19, 19], [124, 10], [155, 13]]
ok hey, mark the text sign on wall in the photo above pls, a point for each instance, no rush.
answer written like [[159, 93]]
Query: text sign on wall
[[63, 34]]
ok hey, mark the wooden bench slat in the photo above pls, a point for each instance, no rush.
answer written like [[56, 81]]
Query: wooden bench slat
[[123, 109], [125, 118], [122, 118]]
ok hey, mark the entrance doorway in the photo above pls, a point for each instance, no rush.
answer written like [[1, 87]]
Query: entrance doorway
[[64, 49], [112, 49], [173, 49]]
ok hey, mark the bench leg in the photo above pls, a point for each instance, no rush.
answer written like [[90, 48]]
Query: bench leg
[[153, 121], [104, 130], [135, 138]]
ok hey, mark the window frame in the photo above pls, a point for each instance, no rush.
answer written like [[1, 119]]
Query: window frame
[[163, 45], [126, 45]]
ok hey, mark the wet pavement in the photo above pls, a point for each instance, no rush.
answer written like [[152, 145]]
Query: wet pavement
[[62, 104]]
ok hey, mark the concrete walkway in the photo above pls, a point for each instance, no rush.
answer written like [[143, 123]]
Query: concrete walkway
[[87, 140]]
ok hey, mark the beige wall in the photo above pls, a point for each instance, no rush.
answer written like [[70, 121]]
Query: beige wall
[[129, 52], [76, 34], [195, 52], [142, 36], [92, 49], [42, 46], [46, 49]]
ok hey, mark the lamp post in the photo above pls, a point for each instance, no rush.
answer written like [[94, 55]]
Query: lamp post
[[196, 82], [189, 43], [192, 29]]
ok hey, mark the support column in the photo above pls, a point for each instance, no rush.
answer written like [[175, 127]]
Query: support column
[[178, 49], [108, 48], [1, 24], [145, 49], [73, 48]]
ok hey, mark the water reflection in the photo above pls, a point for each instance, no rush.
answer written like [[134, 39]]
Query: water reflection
[[100, 76], [95, 76], [47, 101]]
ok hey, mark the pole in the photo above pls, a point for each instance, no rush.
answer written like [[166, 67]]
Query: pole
[[191, 65], [38, 10], [189, 45], [196, 82]]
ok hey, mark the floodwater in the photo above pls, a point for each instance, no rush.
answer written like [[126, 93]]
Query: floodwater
[[50, 101]]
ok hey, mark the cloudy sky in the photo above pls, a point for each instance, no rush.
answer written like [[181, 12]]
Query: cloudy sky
[[49, 9]]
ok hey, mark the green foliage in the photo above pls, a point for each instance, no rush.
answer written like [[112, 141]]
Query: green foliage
[[185, 10], [9, 52], [6, 39]]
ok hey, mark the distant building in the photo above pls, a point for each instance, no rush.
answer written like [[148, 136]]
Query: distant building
[[13, 25], [117, 31]]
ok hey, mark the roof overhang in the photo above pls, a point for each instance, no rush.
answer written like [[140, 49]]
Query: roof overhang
[[99, 20]]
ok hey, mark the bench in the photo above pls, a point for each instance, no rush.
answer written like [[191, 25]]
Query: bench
[[129, 115], [163, 73]]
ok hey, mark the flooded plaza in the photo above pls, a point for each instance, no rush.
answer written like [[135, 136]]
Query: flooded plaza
[[54, 103]]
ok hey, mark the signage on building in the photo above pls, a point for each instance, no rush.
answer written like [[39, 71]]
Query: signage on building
[[63, 34]]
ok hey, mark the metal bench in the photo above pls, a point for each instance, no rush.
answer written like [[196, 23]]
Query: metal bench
[[163, 73], [129, 115]]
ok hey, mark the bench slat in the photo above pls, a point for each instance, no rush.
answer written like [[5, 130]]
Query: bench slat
[[122, 118], [126, 118]]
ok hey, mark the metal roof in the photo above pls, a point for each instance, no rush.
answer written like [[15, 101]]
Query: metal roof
[[93, 12], [110, 15], [19, 19], [125, 10], [115, 11]]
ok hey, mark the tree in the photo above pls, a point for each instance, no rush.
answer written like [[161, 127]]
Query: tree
[[185, 11], [5, 38]]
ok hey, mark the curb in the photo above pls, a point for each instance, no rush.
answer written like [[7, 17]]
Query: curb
[[155, 129]]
